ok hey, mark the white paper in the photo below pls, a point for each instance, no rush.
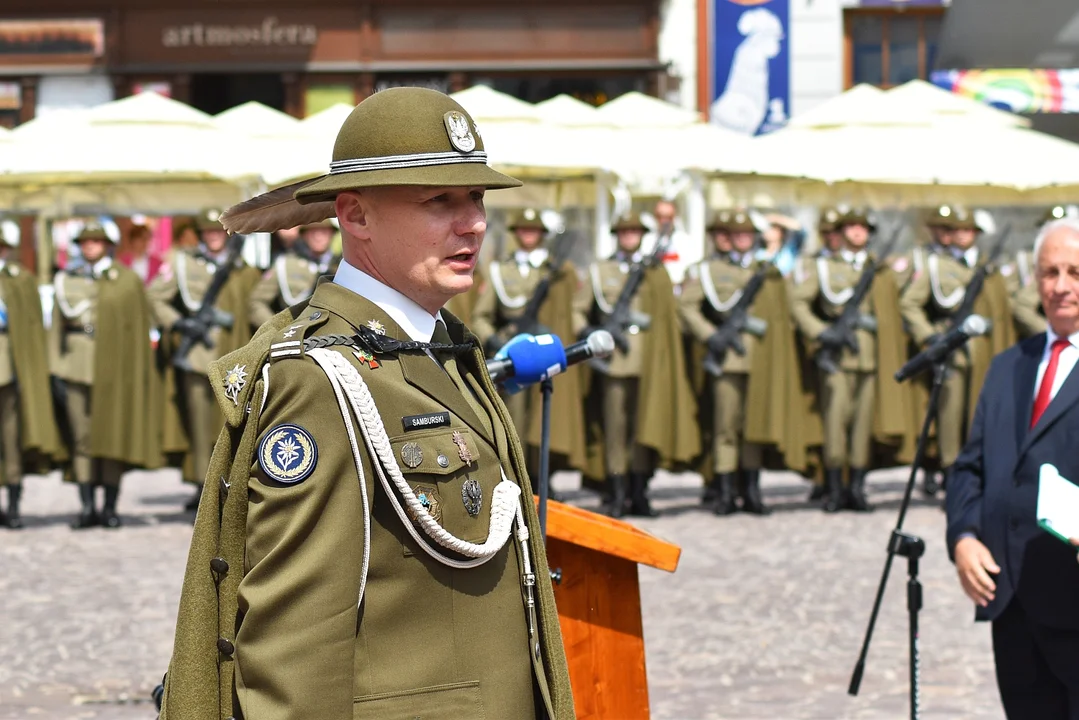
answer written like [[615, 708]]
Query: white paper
[[1058, 503]]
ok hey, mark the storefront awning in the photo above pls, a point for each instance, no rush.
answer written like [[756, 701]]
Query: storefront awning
[[1010, 34]]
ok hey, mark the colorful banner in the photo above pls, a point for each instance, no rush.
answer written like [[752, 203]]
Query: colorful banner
[[1020, 91], [751, 65]]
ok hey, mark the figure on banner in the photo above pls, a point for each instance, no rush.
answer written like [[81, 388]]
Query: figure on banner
[[745, 102]]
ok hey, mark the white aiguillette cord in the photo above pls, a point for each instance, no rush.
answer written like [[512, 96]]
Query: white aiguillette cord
[[505, 505]]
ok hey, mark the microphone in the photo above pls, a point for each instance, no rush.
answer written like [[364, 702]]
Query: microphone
[[529, 359], [973, 326]]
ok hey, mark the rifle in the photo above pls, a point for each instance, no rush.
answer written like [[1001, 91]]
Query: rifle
[[197, 328], [738, 321], [977, 281], [622, 318], [850, 319], [528, 320]]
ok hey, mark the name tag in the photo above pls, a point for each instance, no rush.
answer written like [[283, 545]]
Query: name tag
[[422, 422]]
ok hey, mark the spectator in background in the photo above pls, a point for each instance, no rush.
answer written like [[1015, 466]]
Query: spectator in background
[[284, 242], [781, 242], [137, 255]]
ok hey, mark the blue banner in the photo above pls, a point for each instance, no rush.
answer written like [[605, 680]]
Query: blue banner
[[751, 65]]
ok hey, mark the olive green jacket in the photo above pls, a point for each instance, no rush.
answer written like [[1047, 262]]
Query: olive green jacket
[[268, 613]]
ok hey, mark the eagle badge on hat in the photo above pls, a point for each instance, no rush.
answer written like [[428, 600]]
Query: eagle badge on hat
[[460, 133], [288, 454]]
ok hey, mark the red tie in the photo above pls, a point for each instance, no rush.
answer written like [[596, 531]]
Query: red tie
[[1041, 401]]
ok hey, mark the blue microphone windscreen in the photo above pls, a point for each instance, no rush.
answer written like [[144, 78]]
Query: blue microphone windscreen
[[536, 358]]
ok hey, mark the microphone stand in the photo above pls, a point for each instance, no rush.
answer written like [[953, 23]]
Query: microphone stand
[[912, 548], [546, 389]]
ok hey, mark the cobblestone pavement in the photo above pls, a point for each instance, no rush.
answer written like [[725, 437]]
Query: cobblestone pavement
[[763, 618]]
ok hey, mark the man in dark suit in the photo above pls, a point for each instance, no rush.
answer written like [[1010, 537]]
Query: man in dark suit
[[1021, 578]]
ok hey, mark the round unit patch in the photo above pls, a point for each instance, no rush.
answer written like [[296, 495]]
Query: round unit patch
[[288, 454]]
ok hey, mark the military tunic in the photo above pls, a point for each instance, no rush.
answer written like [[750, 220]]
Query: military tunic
[[821, 289], [927, 306], [289, 281], [72, 359], [179, 294], [711, 289], [620, 384], [1023, 290]]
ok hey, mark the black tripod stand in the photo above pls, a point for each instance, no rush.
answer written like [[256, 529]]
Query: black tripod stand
[[912, 548]]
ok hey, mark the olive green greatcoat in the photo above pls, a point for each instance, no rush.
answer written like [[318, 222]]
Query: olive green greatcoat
[[24, 357], [1027, 311], [427, 639], [116, 360], [776, 414], [882, 353], [667, 408], [559, 313]]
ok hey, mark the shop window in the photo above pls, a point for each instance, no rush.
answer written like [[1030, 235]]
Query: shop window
[[890, 47]]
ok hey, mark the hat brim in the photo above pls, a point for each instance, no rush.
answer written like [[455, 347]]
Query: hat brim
[[620, 228], [328, 187]]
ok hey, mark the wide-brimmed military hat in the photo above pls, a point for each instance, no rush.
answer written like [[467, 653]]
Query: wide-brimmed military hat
[[93, 230], [855, 216], [963, 219], [527, 219], [1059, 212], [327, 223], [630, 221], [209, 220], [828, 220], [720, 222], [406, 136], [741, 222], [943, 217]]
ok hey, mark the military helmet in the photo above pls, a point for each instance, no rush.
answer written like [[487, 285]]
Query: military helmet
[[406, 136], [720, 222], [209, 220], [828, 220], [527, 219], [630, 221], [9, 233], [740, 221], [93, 230], [855, 216]]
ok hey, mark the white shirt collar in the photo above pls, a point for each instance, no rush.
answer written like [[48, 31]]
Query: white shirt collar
[[1051, 337], [534, 258], [417, 323]]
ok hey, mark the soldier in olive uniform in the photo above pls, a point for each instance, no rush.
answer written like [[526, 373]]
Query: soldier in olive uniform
[[376, 528], [100, 349], [176, 297], [820, 292], [928, 304], [27, 427], [831, 239], [712, 288], [292, 277]]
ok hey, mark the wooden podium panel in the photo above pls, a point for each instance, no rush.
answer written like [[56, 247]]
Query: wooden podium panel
[[599, 607]]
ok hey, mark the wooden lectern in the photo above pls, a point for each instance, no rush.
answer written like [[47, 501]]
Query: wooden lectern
[[599, 607]]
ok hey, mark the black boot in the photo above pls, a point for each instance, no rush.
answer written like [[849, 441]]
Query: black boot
[[856, 499], [638, 498], [109, 518], [930, 486], [751, 498], [616, 488], [13, 519], [192, 505], [723, 494], [833, 482], [816, 492], [87, 516]]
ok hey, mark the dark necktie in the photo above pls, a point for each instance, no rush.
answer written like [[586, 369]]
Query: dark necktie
[[441, 336], [1041, 401]]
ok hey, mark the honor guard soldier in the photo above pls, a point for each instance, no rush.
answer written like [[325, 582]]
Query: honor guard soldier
[[929, 305], [28, 430], [292, 277], [102, 356], [856, 387], [367, 544], [831, 240], [177, 297], [646, 403], [507, 306], [732, 303]]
